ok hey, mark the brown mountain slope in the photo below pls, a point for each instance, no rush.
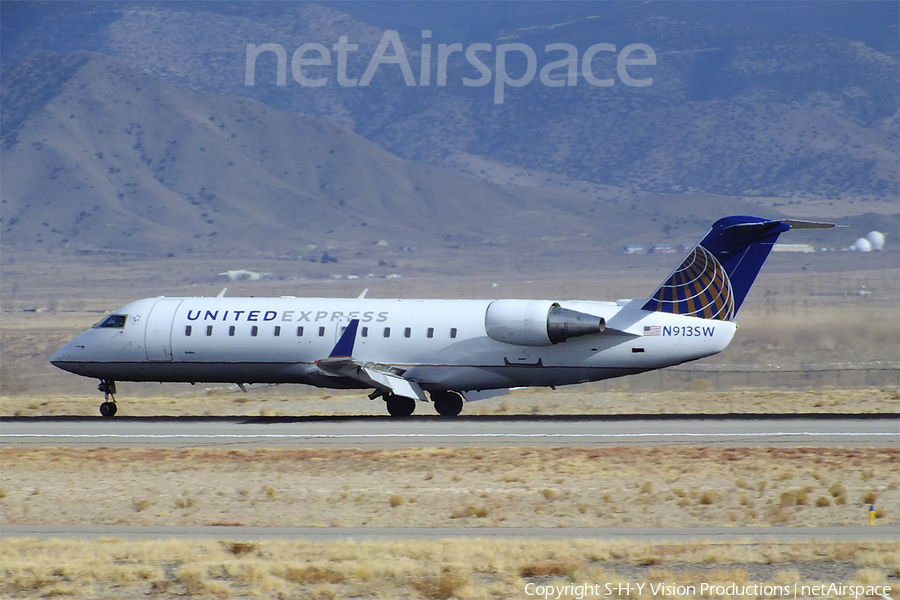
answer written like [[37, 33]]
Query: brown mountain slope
[[98, 155], [757, 100]]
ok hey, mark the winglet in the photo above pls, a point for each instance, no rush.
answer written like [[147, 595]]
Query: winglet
[[344, 346]]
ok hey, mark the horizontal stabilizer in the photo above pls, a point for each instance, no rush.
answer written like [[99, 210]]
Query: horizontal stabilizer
[[794, 224]]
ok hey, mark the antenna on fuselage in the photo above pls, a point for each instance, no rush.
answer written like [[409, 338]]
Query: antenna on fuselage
[[222, 293], [363, 294]]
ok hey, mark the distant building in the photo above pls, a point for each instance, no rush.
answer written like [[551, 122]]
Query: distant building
[[876, 238], [245, 275], [801, 248], [861, 245], [633, 249], [662, 249]]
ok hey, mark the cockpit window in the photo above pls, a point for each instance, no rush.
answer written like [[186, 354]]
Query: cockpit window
[[113, 322]]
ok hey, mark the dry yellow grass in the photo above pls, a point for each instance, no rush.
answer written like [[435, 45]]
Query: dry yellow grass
[[583, 399], [501, 487], [459, 568]]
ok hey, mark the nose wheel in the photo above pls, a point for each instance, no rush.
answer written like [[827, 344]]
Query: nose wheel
[[108, 408]]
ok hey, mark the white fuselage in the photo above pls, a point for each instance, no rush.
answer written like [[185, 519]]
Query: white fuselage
[[439, 344]]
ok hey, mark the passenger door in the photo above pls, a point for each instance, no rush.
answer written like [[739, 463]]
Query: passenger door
[[158, 331]]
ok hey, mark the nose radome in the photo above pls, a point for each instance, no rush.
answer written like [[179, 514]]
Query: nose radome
[[58, 356], [61, 356]]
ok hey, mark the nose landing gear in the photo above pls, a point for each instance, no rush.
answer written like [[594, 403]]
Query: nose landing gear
[[108, 387]]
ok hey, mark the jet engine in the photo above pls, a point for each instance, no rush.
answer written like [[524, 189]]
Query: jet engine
[[537, 322]]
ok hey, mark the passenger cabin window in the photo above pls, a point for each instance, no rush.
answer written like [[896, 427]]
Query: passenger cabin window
[[407, 332], [300, 331], [209, 330], [113, 322], [387, 332], [430, 332], [254, 330], [187, 330], [365, 332], [453, 333], [231, 331], [321, 332], [277, 330]]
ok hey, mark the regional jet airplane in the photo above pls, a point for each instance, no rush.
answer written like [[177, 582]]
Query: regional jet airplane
[[408, 351]]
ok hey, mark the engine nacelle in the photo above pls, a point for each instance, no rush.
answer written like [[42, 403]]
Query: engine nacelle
[[537, 322]]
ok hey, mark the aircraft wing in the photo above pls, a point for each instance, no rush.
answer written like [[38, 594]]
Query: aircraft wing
[[386, 378]]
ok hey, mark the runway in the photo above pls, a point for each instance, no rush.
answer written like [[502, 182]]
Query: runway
[[417, 432], [471, 431], [334, 534]]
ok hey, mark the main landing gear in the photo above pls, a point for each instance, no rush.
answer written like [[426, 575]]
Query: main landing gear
[[447, 404], [399, 406], [108, 387]]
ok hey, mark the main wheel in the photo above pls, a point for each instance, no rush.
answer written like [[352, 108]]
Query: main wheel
[[108, 409], [447, 404], [399, 406]]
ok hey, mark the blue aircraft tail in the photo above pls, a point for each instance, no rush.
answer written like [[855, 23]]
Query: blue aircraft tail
[[712, 282]]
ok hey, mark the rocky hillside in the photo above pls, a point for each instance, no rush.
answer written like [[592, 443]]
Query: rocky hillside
[[796, 100], [96, 154]]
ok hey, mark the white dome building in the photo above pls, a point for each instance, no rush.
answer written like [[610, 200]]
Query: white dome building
[[876, 238], [862, 245]]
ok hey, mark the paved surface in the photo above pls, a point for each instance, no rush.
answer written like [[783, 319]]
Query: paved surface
[[723, 534], [383, 432], [386, 432]]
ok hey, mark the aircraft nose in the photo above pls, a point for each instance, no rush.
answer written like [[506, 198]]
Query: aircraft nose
[[73, 357], [62, 357], [59, 356]]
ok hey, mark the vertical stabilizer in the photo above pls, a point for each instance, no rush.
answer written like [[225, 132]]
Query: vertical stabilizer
[[712, 282]]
